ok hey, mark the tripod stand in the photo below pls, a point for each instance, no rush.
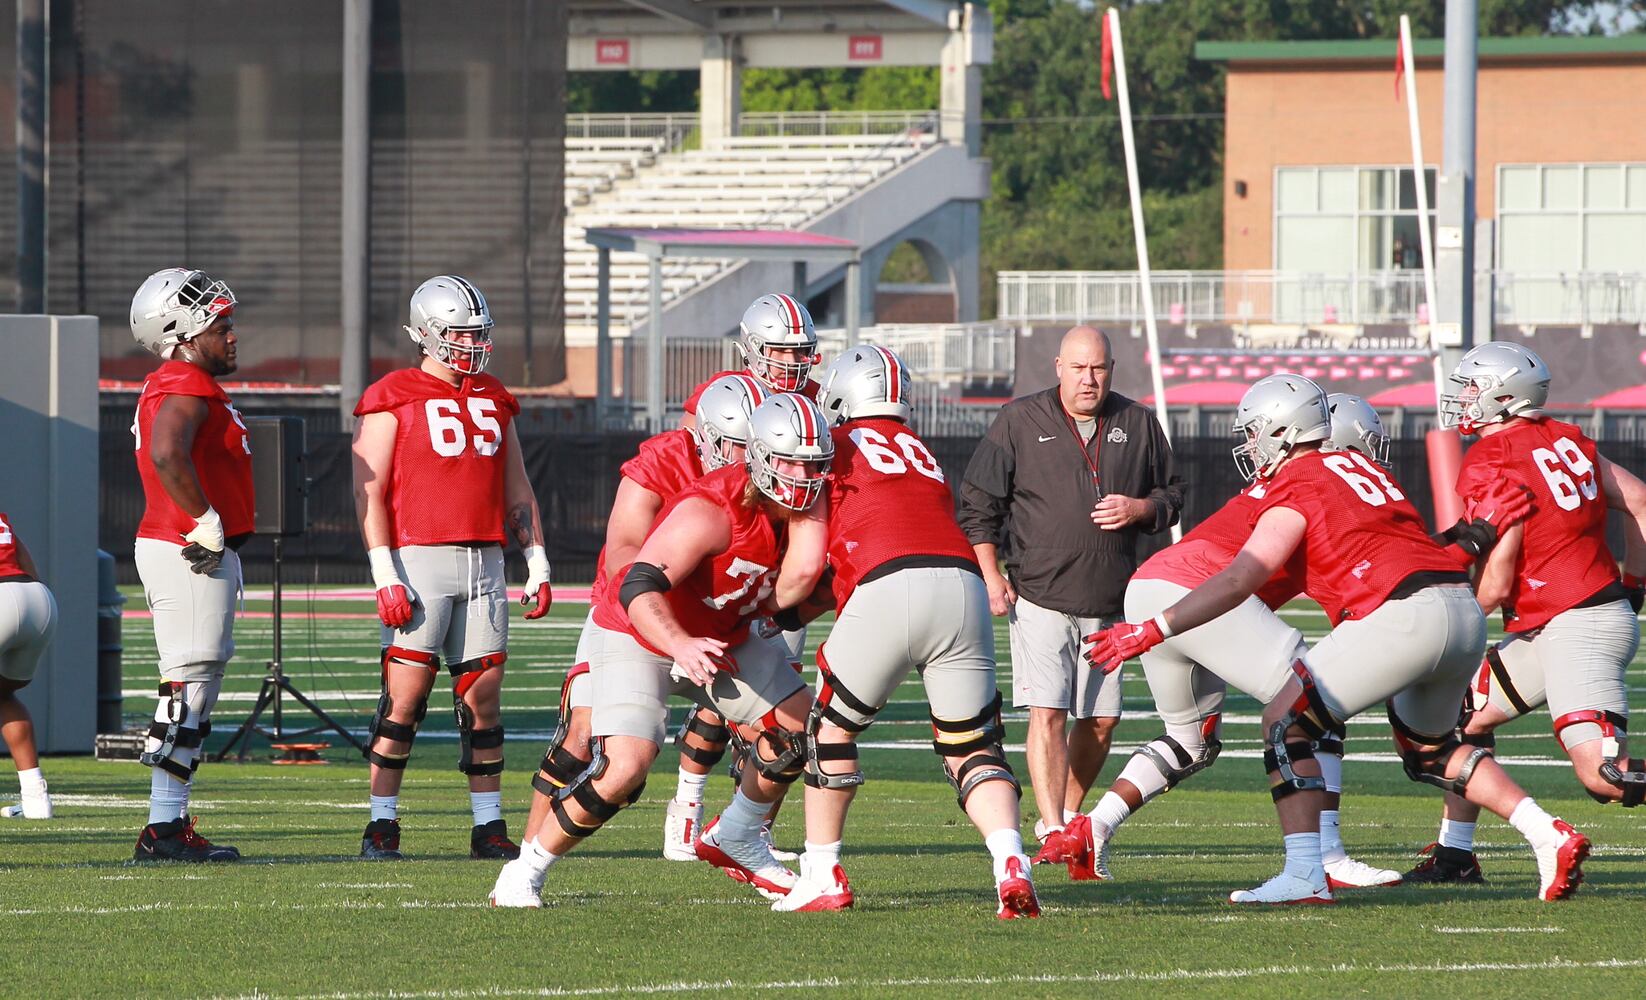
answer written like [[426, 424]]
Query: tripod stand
[[276, 683]]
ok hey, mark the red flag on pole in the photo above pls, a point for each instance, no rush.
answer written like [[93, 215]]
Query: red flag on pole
[[1106, 59], [1400, 65]]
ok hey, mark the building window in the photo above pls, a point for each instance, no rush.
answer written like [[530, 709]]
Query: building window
[[1348, 219], [1563, 217]]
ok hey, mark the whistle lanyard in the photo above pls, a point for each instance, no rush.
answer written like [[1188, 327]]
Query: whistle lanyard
[[1092, 455]]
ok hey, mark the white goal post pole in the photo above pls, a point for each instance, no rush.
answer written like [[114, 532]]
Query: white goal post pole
[[1421, 183], [1142, 239]]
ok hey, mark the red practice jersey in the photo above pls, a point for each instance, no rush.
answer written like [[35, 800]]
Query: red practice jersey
[[666, 464], [809, 389], [725, 591], [888, 500], [10, 568], [1363, 538], [1563, 558], [1211, 547], [221, 455], [446, 484]]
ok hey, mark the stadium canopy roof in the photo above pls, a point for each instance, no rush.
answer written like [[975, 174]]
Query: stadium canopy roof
[[1383, 49], [661, 243], [738, 15]]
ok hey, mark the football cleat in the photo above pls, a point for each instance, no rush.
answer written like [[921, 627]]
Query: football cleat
[[32, 807], [745, 861], [1560, 864], [816, 892], [381, 841], [1016, 891], [518, 886], [682, 822], [1090, 860], [1445, 864], [771, 845], [1056, 846], [177, 841], [490, 842], [1347, 873], [1285, 890]]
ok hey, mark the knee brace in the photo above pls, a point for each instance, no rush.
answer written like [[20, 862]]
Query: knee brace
[[387, 728], [838, 705], [976, 768], [1505, 683], [1173, 760], [818, 751], [716, 735], [560, 767], [469, 739], [180, 724], [583, 793], [1424, 761], [975, 748], [778, 754], [1628, 775]]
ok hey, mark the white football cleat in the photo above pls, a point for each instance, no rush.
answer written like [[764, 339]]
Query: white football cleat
[[682, 822], [1347, 873], [32, 807], [1560, 863], [518, 886], [1285, 890], [771, 845], [745, 861], [1015, 890], [817, 891]]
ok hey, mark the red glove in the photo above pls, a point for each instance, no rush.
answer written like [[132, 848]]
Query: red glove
[[544, 600], [394, 605], [1504, 503], [1115, 645]]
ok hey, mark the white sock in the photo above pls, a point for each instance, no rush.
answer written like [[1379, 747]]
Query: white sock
[[486, 806], [1534, 824], [168, 797], [1458, 835], [1069, 815], [1043, 829], [1331, 839], [1004, 843], [689, 787], [1111, 811], [821, 858], [31, 781], [534, 857], [1331, 771], [1303, 856], [385, 807], [741, 820]]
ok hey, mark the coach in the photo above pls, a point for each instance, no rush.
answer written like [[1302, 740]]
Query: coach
[[1076, 472]]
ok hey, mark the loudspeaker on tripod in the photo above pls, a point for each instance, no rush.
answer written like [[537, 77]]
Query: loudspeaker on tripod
[[279, 474]]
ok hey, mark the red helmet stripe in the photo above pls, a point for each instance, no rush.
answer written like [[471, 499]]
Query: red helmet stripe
[[793, 312]]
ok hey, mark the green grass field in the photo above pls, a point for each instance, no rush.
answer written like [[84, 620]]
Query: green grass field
[[301, 917]]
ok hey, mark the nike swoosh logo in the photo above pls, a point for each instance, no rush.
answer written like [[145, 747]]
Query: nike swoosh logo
[[1047, 437]]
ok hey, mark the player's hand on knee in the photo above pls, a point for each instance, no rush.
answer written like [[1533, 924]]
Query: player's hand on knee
[[1116, 644], [537, 594]]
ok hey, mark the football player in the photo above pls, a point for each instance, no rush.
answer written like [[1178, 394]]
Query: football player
[[194, 458], [911, 598], [1571, 624], [679, 623], [665, 465], [437, 474], [1406, 629], [28, 616]]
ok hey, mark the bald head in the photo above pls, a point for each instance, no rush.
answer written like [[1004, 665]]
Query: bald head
[[1084, 370]]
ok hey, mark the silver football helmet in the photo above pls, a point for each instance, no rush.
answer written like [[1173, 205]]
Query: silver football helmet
[[445, 305], [778, 322], [1493, 382], [723, 412], [174, 305], [1356, 427], [788, 427], [1276, 414], [865, 381]]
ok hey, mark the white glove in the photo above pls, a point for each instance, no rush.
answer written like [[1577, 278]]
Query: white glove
[[383, 573], [208, 531], [537, 568]]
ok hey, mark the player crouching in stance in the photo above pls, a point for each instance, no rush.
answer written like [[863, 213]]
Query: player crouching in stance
[[1250, 647], [437, 473], [194, 458], [1406, 628], [28, 616], [679, 624], [1571, 621], [911, 597]]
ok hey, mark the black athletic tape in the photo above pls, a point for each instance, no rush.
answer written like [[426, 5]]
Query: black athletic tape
[[642, 578], [486, 739]]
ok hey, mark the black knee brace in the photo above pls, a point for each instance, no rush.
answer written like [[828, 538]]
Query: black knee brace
[[382, 725], [786, 749], [469, 739], [714, 734], [976, 750], [1628, 776], [817, 752], [582, 792], [174, 736], [1174, 761], [1423, 760], [560, 767]]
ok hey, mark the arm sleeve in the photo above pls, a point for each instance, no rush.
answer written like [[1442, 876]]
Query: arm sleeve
[[986, 491], [1166, 493]]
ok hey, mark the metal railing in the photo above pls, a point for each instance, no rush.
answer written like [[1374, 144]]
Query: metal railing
[[672, 127], [803, 123], [950, 355], [1294, 297]]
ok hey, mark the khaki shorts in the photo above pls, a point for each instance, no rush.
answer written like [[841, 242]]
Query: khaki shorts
[[28, 616], [462, 609], [1249, 648], [632, 686], [193, 614], [1576, 661], [1421, 651], [931, 619], [1048, 670]]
